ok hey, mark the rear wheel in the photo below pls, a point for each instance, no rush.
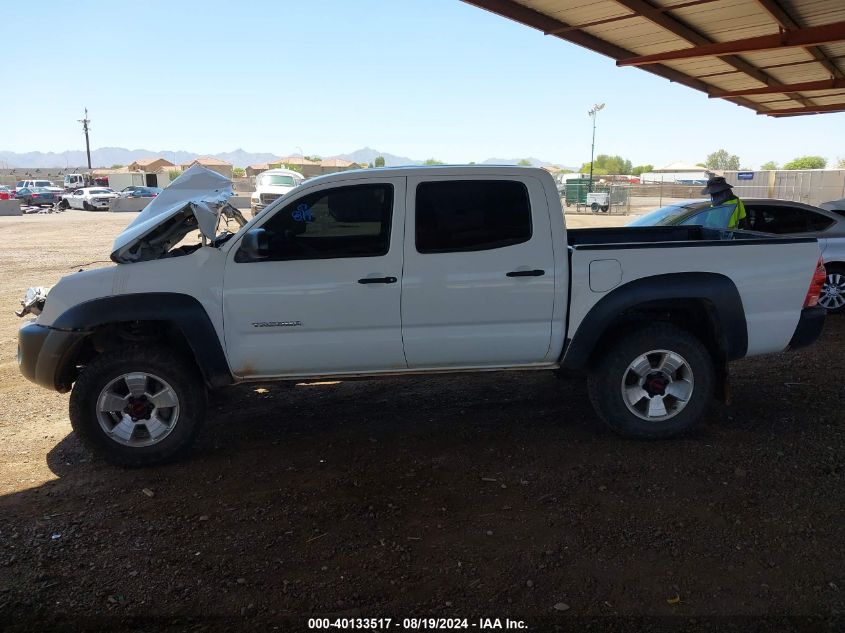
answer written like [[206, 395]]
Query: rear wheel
[[654, 383], [594, 207], [138, 406], [87, 206], [833, 292]]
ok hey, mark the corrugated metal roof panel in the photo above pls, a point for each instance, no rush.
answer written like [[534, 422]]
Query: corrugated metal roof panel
[[673, 29], [815, 12]]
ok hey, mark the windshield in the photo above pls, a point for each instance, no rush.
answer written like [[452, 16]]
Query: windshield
[[276, 179], [39, 189], [43, 183], [668, 215], [100, 191]]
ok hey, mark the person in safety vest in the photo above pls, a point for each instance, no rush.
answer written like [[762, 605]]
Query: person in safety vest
[[724, 202]]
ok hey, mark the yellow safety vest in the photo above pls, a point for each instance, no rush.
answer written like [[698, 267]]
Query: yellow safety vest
[[738, 212]]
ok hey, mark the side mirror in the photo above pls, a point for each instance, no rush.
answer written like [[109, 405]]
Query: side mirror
[[255, 246]]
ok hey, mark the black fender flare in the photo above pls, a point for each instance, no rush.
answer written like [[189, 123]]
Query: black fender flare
[[185, 312], [726, 311]]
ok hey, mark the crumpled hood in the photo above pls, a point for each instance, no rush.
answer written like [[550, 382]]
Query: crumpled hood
[[198, 191]]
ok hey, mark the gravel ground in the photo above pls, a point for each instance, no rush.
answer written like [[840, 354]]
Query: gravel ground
[[494, 495]]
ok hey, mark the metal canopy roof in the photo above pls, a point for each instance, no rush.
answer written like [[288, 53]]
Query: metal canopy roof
[[778, 57]]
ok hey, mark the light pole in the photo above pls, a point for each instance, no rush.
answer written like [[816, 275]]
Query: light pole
[[85, 128], [593, 112]]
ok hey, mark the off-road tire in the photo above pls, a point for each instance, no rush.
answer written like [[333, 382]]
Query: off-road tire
[[607, 373], [181, 375]]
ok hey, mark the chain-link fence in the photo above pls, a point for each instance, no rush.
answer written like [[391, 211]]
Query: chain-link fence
[[810, 187], [622, 198]]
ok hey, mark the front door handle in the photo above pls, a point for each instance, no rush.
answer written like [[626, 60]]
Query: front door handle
[[527, 273], [378, 280]]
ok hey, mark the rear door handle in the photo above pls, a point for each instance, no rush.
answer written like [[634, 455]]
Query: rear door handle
[[378, 280], [527, 273]]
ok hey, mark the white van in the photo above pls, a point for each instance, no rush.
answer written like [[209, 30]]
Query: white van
[[272, 184]]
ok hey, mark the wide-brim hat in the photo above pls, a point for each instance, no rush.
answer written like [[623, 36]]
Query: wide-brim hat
[[716, 184]]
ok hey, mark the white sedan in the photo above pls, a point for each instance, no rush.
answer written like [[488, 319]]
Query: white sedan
[[89, 198]]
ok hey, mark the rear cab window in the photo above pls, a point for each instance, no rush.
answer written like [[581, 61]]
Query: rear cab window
[[471, 215]]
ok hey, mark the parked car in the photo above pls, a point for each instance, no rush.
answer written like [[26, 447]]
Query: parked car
[[780, 217], [272, 184], [386, 272], [89, 198], [5, 193], [36, 196], [31, 184], [140, 192]]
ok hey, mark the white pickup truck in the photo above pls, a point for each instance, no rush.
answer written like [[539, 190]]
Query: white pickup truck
[[406, 271]]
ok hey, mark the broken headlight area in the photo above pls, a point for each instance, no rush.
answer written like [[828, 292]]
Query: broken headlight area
[[33, 301]]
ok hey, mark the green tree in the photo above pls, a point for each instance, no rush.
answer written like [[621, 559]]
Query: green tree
[[314, 158], [840, 163], [173, 174], [292, 167], [769, 166], [606, 165], [117, 166], [379, 161], [806, 162], [239, 172], [641, 169], [524, 163], [720, 159], [433, 161]]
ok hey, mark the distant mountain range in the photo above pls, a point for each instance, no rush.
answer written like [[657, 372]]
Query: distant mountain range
[[108, 156]]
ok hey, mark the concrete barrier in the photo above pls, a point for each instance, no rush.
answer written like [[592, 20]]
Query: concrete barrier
[[119, 205], [10, 207]]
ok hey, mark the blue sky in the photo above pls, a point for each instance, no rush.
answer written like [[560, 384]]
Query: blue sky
[[424, 78]]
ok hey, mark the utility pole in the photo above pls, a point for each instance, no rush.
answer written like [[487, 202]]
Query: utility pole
[[85, 123], [593, 111]]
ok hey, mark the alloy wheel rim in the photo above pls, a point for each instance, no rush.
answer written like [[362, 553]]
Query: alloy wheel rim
[[138, 409], [832, 296], [657, 385]]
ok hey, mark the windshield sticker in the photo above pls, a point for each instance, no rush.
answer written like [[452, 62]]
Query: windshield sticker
[[302, 214]]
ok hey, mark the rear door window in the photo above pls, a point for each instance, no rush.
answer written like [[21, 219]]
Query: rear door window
[[471, 215], [782, 220]]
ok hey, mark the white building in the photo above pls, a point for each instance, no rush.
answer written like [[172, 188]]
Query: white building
[[681, 173]]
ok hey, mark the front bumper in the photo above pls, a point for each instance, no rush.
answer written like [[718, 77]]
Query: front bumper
[[809, 327], [45, 355]]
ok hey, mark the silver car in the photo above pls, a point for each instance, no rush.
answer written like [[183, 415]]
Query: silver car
[[781, 217]]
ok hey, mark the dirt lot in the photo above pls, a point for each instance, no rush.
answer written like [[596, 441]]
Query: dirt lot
[[491, 495]]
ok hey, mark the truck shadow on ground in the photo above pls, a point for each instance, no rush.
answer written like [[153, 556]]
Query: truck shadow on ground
[[494, 493]]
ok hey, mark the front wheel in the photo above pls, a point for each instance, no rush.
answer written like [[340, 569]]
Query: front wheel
[[138, 406], [833, 291], [653, 383]]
